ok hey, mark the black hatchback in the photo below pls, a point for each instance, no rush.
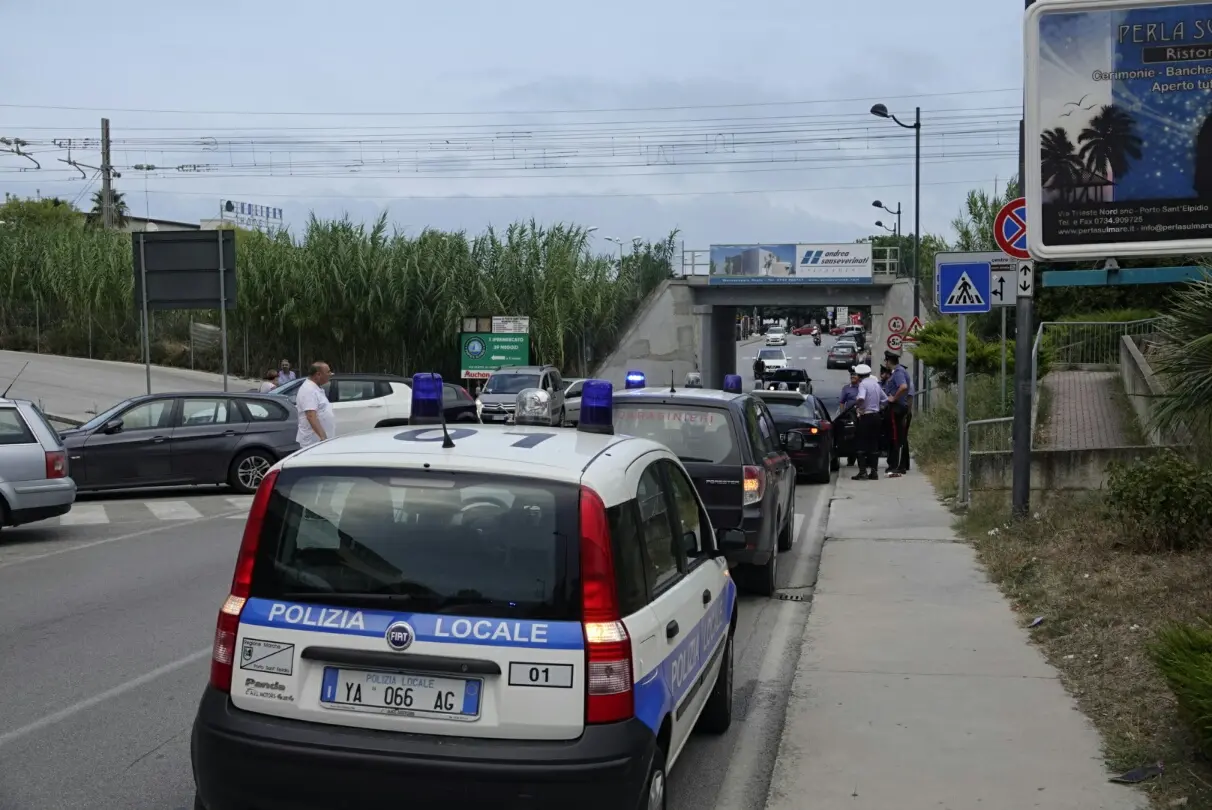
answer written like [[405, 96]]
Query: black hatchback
[[806, 431], [730, 446]]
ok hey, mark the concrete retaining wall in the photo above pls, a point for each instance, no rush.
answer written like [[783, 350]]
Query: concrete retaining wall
[[663, 337], [1053, 470], [1144, 388]]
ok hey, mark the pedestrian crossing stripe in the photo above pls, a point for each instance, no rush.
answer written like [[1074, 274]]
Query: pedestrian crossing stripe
[[151, 511], [965, 294]]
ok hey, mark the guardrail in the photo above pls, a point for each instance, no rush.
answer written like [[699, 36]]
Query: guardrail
[[965, 466], [1080, 346]]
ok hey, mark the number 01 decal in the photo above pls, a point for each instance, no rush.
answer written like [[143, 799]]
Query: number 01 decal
[[529, 440], [551, 676]]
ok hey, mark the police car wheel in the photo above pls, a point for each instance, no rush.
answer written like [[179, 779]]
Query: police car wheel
[[656, 785], [835, 463], [717, 714], [787, 533]]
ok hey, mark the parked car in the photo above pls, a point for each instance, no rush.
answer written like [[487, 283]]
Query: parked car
[[845, 435], [182, 439], [773, 358], [572, 401], [776, 336], [729, 445], [361, 401], [499, 397], [806, 431], [796, 379], [806, 329], [857, 333], [841, 354], [34, 480], [837, 330]]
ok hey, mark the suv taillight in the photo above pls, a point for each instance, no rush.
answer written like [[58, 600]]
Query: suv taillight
[[56, 464], [754, 484], [608, 670], [223, 656]]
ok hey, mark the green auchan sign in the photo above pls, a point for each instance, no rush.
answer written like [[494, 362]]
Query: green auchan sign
[[482, 353]]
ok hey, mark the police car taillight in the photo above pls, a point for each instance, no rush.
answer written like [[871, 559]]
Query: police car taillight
[[754, 484], [608, 670], [223, 656]]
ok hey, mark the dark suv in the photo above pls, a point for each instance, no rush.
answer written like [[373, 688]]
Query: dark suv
[[730, 446]]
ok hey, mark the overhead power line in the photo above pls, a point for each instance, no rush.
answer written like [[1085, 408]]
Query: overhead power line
[[565, 111]]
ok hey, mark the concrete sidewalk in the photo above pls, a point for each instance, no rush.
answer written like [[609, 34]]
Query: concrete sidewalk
[[73, 390], [916, 688]]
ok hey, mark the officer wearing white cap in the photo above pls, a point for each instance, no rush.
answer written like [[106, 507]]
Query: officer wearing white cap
[[870, 398]]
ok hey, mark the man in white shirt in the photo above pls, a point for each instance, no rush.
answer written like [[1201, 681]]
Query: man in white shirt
[[870, 397], [316, 420]]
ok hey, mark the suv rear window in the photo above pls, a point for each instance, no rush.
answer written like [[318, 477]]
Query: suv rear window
[[692, 433], [13, 429], [791, 408], [431, 542]]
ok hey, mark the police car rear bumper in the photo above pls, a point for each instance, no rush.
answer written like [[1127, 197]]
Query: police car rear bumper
[[248, 761]]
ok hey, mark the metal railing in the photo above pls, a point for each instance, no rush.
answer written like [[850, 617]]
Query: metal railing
[[1002, 437], [1079, 346]]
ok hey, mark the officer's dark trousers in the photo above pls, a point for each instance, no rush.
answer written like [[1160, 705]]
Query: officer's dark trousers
[[868, 441], [898, 444]]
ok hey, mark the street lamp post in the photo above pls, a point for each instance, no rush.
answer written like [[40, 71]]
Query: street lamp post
[[881, 111], [880, 224], [896, 213]]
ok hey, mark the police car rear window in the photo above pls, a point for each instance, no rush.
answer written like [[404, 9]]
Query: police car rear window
[[428, 542], [694, 434]]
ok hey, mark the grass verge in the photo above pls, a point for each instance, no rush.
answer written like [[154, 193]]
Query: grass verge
[[1101, 606]]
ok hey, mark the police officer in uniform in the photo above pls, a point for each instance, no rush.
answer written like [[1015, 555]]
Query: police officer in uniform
[[870, 398], [847, 398], [900, 403]]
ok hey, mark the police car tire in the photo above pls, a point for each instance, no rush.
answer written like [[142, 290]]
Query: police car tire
[[835, 463], [656, 771], [717, 714]]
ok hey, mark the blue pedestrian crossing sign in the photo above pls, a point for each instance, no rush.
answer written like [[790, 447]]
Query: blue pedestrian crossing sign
[[964, 288]]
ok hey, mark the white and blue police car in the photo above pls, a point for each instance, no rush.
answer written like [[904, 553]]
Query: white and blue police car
[[468, 616]]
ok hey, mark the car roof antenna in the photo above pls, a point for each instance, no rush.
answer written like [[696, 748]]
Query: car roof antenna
[[447, 442], [14, 381], [672, 378]]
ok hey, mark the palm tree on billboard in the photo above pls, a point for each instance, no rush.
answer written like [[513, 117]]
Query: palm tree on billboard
[[1061, 165], [1109, 141]]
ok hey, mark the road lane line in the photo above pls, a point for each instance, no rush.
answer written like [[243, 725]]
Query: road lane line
[[106, 540], [88, 703], [85, 514], [172, 510], [241, 502], [747, 780]]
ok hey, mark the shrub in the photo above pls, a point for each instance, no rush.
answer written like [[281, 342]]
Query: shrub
[[1165, 501], [938, 348], [934, 436], [1183, 655]]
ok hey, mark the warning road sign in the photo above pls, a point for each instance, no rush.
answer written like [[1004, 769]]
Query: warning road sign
[[915, 326], [896, 324], [895, 342]]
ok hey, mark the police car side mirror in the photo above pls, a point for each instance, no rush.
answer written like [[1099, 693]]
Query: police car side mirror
[[729, 541]]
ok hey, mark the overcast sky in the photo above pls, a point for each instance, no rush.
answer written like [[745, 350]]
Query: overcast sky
[[609, 115]]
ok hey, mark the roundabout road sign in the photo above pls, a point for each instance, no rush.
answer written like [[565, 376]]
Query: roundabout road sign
[[1010, 229], [896, 324], [895, 342]]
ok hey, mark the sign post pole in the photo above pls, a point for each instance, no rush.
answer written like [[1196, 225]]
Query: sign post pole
[[222, 308], [145, 319], [962, 405], [1002, 406]]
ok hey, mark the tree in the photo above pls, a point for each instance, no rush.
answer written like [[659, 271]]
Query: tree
[[1186, 365], [1059, 162], [1108, 141], [974, 225], [30, 213], [97, 216]]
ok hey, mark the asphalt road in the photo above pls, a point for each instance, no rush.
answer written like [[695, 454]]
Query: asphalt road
[[106, 627]]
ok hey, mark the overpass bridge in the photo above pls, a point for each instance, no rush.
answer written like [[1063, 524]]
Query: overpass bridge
[[688, 323]]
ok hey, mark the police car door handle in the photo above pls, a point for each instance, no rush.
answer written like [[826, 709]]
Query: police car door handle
[[706, 597], [671, 629]]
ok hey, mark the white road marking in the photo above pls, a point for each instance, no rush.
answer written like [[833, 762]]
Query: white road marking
[[88, 703], [172, 510], [236, 517], [241, 502], [85, 514]]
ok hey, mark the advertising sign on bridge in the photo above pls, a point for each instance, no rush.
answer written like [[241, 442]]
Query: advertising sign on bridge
[[1118, 135], [791, 264]]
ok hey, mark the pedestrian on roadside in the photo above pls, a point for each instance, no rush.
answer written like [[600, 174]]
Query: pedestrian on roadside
[[900, 402], [316, 420], [759, 370], [269, 382], [847, 398], [870, 397], [285, 374]]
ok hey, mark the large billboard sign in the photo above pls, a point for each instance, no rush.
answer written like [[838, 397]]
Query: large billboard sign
[[254, 217], [791, 264], [1118, 128]]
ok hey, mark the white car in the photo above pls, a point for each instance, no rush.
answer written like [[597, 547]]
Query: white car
[[773, 358], [572, 401], [776, 336], [489, 616], [361, 401]]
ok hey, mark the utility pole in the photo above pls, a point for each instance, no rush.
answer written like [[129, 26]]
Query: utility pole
[[107, 185]]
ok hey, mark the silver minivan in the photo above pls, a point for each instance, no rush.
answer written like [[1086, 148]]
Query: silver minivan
[[500, 394], [34, 480]]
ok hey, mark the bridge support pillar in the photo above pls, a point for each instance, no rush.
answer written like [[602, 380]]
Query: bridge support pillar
[[717, 343]]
